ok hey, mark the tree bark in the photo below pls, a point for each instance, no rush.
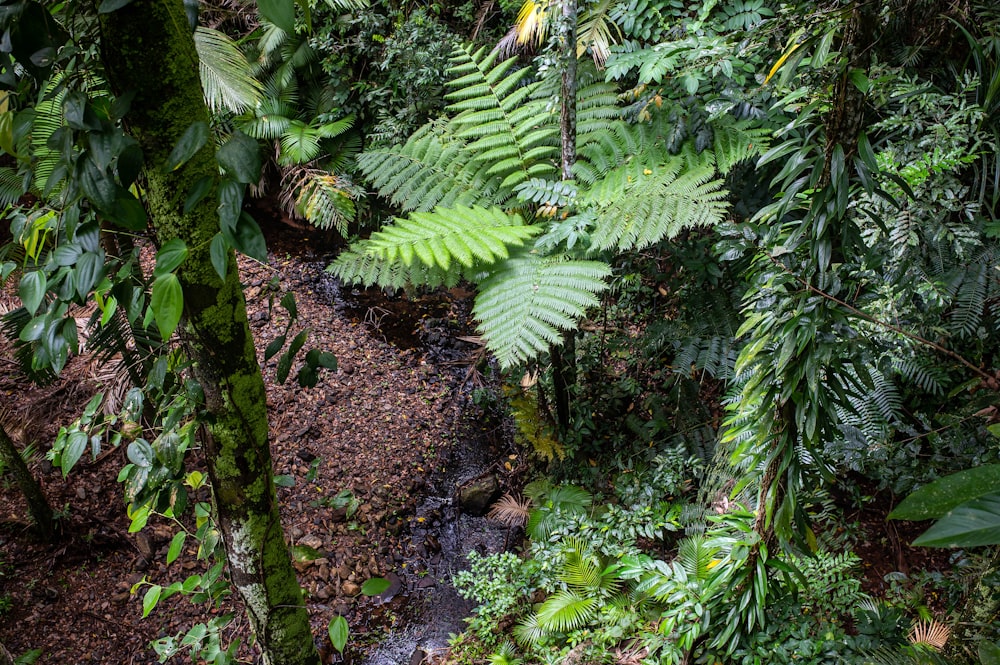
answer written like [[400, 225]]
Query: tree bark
[[38, 505], [567, 91], [147, 49]]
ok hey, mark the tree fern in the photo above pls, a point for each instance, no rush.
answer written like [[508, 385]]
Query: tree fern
[[527, 301], [324, 199], [466, 235], [640, 205], [431, 169], [517, 135], [358, 265]]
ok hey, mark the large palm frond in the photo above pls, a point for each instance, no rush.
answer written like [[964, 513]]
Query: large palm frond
[[226, 77]]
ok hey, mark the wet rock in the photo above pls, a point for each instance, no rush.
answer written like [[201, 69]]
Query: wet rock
[[418, 657], [475, 496], [395, 586]]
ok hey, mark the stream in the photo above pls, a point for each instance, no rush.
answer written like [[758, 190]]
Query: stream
[[443, 533]]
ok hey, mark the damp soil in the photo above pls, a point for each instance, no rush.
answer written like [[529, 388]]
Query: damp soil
[[392, 426]]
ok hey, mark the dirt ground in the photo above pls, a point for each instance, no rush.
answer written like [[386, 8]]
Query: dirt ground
[[379, 427]]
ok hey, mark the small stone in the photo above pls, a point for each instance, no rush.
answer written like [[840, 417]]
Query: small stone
[[311, 540], [324, 572], [475, 496], [295, 533], [81, 493], [350, 589]]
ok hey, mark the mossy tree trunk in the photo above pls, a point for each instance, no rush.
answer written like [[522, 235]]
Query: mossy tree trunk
[[38, 505], [147, 49]]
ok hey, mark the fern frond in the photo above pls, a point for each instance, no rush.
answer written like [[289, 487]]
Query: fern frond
[[524, 304], [429, 170], [641, 205], [736, 141], [566, 610], [226, 77], [360, 266], [597, 32], [469, 236]]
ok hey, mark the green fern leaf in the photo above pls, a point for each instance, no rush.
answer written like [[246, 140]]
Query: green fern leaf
[[468, 235], [524, 304], [359, 266], [734, 142], [431, 169], [640, 206]]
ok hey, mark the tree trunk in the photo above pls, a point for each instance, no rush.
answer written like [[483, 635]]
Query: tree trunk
[[147, 49], [567, 91], [38, 505]]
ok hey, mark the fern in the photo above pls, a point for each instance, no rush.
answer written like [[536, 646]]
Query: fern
[[640, 205], [515, 134], [469, 236], [528, 299], [736, 141], [11, 186], [359, 265], [431, 169]]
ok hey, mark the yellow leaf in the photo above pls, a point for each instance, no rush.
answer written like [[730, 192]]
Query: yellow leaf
[[781, 61]]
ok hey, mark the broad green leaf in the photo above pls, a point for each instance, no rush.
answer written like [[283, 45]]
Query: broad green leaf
[[32, 290], [248, 238], [78, 113], [176, 545], [199, 190], [97, 184], [170, 257], [194, 139], [167, 303], [89, 272], [937, 498], [972, 524], [989, 653], [129, 164], [127, 211], [288, 302], [218, 250], [240, 157], [284, 481], [279, 12], [34, 330], [274, 347], [285, 362], [230, 205], [307, 376], [66, 254], [375, 585], [338, 631], [150, 599], [140, 453], [138, 518], [76, 443]]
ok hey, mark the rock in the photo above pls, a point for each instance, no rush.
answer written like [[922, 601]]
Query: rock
[[344, 571], [296, 533], [426, 582], [395, 586], [475, 496], [417, 657], [349, 588], [311, 540]]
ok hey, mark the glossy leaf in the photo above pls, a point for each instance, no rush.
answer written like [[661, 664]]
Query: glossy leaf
[[170, 257], [937, 498], [167, 303], [32, 290], [76, 443], [240, 157], [176, 546], [375, 585], [150, 600], [338, 631], [218, 250], [191, 141], [973, 524]]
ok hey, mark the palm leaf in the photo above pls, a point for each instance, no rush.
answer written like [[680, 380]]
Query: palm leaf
[[566, 610], [226, 77]]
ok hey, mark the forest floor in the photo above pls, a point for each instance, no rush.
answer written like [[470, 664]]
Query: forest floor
[[380, 429]]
